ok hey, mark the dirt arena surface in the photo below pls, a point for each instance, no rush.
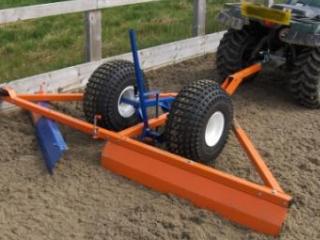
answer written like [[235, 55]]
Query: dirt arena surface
[[84, 201]]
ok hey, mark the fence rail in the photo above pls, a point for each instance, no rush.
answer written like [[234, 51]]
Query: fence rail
[[76, 76], [52, 9], [151, 58], [93, 19]]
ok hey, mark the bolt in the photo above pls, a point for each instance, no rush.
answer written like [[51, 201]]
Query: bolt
[[96, 128]]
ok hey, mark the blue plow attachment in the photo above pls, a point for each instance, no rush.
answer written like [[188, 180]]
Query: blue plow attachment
[[50, 140]]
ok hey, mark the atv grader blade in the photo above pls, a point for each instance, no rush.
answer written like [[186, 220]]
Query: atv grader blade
[[260, 207]]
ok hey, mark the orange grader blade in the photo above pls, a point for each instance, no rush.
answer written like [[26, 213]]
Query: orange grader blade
[[249, 204]]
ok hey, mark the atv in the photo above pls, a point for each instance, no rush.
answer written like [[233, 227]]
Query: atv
[[289, 32]]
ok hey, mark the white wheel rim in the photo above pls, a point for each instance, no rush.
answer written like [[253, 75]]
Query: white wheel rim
[[214, 129], [126, 110]]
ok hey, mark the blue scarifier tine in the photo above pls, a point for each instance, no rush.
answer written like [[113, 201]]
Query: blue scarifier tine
[[50, 140]]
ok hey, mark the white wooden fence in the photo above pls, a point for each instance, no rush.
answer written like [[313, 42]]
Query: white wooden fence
[[77, 76]]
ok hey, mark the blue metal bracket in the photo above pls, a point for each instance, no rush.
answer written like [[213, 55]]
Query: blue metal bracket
[[139, 79], [50, 140], [146, 99]]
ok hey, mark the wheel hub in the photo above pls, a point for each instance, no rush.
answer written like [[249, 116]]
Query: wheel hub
[[126, 110], [214, 129]]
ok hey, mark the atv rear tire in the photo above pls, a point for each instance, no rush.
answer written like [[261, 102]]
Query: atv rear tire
[[199, 122], [304, 82], [107, 85], [235, 50]]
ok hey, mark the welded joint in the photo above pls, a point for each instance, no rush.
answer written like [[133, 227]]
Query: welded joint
[[190, 161], [95, 133]]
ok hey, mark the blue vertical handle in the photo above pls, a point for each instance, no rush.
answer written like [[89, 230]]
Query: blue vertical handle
[[139, 77]]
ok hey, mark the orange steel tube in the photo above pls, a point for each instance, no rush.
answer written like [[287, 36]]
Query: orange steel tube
[[137, 129], [256, 158], [59, 117], [47, 97], [230, 85], [171, 94], [65, 97], [232, 82]]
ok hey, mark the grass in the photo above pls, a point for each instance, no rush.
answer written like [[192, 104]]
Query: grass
[[51, 43]]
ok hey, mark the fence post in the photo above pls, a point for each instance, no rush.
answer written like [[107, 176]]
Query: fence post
[[93, 45], [199, 17], [268, 3]]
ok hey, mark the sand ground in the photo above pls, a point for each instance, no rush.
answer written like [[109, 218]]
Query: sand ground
[[83, 201]]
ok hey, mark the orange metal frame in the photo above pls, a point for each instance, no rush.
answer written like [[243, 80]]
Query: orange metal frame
[[262, 208]]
